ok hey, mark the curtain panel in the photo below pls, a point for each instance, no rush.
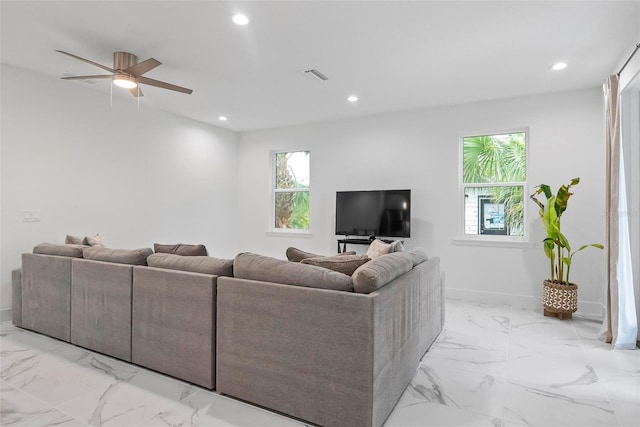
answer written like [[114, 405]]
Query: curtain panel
[[620, 327]]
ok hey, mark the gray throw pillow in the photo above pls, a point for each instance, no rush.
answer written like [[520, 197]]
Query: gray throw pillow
[[297, 255], [181, 249], [196, 264], [258, 267], [96, 240], [418, 256], [75, 240], [120, 256], [345, 264], [380, 271], [73, 251]]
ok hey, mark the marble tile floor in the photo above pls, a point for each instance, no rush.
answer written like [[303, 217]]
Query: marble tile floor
[[493, 365]]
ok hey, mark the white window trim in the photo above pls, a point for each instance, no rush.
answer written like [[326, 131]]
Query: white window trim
[[523, 241], [272, 230]]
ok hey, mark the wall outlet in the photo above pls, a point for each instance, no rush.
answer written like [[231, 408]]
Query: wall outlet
[[31, 216]]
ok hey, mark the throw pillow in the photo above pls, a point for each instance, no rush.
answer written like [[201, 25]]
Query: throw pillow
[[96, 240], [396, 246], [258, 267], [196, 264], [74, 240], [345, 264], [297, 255], [380, 271], [69, 250], [418, 256], [378, 248], [181, 249], [120, 256]]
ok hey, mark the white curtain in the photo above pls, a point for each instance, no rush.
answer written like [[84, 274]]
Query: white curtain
[[620, 327]]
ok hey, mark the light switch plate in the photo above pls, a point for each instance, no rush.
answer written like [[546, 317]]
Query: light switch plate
[[31, 216]]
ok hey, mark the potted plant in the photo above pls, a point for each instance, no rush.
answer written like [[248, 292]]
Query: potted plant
[[560, 296]]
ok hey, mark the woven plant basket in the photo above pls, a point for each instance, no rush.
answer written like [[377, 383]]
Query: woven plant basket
[[561, 299]]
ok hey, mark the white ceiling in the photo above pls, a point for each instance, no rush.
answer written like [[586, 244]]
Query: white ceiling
[[394, 55]]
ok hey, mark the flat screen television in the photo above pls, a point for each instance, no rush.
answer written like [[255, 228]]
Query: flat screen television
[[382, 213]]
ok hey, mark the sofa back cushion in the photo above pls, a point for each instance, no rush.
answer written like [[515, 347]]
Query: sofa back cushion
[[180, 249], [345, 264], [121, 256], [73, 251], [258, 267], [380, 271], [196, 264]]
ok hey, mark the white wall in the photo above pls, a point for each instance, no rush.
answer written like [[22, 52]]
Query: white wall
[[136, 176], [419, 150]]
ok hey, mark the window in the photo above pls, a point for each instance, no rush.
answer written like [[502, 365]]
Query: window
[[291, 190], [494, 176]]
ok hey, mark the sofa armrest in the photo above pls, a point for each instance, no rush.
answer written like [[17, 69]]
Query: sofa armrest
[[46, 295], [303, 351], [16, 296]]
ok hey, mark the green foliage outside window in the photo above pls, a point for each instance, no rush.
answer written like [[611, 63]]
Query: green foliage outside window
[[496, 159], [292, 190]]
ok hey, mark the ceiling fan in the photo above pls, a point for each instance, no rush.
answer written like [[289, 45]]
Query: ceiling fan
[[127, 72]]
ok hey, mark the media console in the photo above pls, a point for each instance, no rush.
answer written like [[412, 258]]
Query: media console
[[348, 241]]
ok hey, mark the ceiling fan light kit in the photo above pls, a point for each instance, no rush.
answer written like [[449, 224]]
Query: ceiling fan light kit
[[127, 72], [125, 81]]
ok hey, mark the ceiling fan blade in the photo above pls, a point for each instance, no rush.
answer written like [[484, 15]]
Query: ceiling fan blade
[[142, 67], [136, 91], [163, 85], [86, 60], [100, 76]]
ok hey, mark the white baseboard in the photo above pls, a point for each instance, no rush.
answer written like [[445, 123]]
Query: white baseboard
[[591, 310], [5, 315]]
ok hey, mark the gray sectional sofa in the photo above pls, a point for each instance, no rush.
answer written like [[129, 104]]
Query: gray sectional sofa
[[303, 340]]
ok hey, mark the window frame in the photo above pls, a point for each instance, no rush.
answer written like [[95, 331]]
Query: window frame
[[493, 239], [271, 228]]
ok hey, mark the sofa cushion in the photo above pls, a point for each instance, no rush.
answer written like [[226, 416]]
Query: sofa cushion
[[121, 256], [418, 256], [380, 271], [345, 264], [378, 248], [74, 251], [196, 264], [258, 267], [180, 249]]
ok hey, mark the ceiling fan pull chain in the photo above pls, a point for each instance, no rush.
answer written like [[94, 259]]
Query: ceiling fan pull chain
[[138, 97], [111, 95]]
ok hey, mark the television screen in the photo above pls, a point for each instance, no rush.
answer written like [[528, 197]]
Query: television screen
[[384, 213]]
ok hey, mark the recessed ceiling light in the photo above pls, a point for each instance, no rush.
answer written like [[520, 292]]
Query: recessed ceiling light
[[240, 19], [222, 118], [559, 66], [352, 98]]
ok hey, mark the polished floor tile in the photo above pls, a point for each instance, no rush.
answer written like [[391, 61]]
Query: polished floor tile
[[493, 365]]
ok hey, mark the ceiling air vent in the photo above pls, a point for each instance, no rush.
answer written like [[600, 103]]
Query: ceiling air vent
[[312, 72]]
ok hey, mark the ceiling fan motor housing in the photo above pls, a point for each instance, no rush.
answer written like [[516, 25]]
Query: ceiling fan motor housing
[[123, 60]]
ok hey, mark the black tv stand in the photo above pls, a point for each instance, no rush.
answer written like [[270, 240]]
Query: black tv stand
[[363, 241]]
